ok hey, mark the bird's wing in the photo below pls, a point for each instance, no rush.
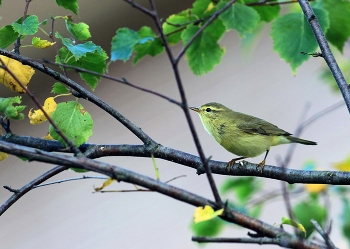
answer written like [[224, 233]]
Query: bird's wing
[[262, 127]]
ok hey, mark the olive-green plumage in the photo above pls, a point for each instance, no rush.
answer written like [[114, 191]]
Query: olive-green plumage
[[242, 134]]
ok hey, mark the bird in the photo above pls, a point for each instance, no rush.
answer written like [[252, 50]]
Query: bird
[[241, 134]]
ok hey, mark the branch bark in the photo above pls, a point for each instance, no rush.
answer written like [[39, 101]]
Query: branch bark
[[326, 51], [120, 174]]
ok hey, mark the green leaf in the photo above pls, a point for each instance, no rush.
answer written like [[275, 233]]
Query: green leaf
[[174, 25], [291, 34], [95, 62], [203, 8], [123, 43], [307, 210], [293, 223], [10, 110], [78, 50], [71, 5], [242, 18], [204, 53], [243, 187], [79, 170], [339, 21], [267, 12], [28, 27], [207, 228], [74, 121], [7, 36], [59, 88], [148, 44], [79, 31], [345, 219]]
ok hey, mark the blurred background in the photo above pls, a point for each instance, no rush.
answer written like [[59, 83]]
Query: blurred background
[[255, 82]]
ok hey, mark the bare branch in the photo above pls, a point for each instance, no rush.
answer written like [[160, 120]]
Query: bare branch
[[25, 189], [259, 241], [192, 161], [122, 80], [185, 105], [323, 234], [125, 175], [326, 51]]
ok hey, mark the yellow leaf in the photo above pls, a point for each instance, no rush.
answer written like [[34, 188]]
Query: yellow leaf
[[37, 116], [105, 184], [315, 188], [38, 43], [205, 213], [48, 137], [293, 223], [3, 156], [23, 73], [210, 7], [343, 165]]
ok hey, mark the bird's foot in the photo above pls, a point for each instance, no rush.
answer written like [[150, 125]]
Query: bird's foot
[[231, 163], [261, 165]]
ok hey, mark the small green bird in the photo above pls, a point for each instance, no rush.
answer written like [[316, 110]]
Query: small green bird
[[242, 134]]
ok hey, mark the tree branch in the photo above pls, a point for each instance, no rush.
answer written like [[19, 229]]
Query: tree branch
[[36, 102], [185, 105], [106, 76], [85, 94], [211, 19], [326, 51], [323, 234], [26, 188], [120, 174], [259, 241], [240, 169]]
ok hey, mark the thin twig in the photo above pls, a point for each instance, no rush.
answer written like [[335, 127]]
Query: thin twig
[[5, 125], [320, 114], [185, 106], [36, 102], [140, 7], [85, 94], [326, 51], [22, 191], [285, 192], [17, 44], [211, 19], [272, 3], [268, 197], [71, 179], [284, 164], [323, 234], [106, 76]]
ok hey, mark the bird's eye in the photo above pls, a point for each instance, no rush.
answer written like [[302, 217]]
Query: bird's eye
[[208, 110]]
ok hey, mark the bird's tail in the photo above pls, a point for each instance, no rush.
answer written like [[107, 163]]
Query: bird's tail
[[300, 141]]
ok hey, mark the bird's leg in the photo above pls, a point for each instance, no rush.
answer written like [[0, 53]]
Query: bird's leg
[[232, 162], [262, 163]]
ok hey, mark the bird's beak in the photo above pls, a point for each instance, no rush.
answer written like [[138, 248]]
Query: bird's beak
[[194, 109]]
